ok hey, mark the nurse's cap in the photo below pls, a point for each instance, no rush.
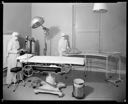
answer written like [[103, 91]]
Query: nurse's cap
[[15, 34], [64, 35]]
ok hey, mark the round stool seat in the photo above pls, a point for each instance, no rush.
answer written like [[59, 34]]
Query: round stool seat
[[16, 69]]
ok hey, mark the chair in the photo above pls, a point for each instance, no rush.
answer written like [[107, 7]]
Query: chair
[[18, 71]]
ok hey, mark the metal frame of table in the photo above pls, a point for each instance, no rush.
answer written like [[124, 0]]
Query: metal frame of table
[[106, 56]]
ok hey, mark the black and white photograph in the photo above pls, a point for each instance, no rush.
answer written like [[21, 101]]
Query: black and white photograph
[[64, 51]]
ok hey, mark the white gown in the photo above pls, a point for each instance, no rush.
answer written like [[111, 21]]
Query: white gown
[[12, 54], [62, 46]]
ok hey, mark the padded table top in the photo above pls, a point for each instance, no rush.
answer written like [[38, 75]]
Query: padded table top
[[54, 60]]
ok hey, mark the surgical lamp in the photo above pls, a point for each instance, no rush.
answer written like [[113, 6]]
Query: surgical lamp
[[37, 22]]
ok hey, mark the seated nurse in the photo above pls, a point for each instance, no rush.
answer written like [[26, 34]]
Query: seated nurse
[[12, 54]]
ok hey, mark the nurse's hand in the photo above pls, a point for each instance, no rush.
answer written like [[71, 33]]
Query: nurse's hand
[[18, 51]]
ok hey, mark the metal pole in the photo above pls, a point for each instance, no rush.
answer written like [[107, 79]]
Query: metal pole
[[73, 26], [45, 40], [50, 46], [45, 46], [99, 32]]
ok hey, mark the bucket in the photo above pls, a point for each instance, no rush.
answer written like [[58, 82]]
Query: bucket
[[78, 88]]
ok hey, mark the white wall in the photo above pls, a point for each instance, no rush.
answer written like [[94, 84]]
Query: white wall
[[17, 17], [113, 28]]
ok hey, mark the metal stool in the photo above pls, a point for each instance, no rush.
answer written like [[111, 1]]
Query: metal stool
[[18, 72]]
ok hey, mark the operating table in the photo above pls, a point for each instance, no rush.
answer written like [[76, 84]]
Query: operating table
[[50, 63], [58, 64]]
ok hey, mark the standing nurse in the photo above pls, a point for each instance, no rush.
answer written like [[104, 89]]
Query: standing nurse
[[63, 44], [12, 54]]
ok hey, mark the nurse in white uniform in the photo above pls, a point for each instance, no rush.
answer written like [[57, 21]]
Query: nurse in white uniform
[[63, 44], [12, 54]]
